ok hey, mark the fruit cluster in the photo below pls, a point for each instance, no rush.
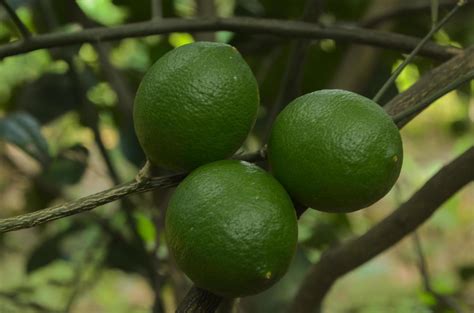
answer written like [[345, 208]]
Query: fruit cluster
[[230, 225]]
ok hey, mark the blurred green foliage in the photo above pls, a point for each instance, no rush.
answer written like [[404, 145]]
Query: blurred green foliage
[[51, 101]]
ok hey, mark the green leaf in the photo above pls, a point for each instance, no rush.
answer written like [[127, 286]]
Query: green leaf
[[22, 130], [146, 227], [466, 272], [49, 249], [126, 256], [68, 167], [319, 230], [56, 92], [129, 145]]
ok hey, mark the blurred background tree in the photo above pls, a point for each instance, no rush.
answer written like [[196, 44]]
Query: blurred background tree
[[66, 131]]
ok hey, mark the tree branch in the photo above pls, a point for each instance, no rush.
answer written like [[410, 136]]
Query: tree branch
[[294, 70], [205, 9], [156, 9], [281, 28], [429, 85], [340, 260], [400, 117], [445, 301], [413, 54], [87, 203], [25, 33], [142, 183], [457, 65]]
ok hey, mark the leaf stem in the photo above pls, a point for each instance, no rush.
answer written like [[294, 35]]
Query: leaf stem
[[25, 33]]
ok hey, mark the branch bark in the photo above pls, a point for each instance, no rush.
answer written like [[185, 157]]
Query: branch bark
[[340, 260], [430, 83], [281, 28], [87, 203], [143, 183]]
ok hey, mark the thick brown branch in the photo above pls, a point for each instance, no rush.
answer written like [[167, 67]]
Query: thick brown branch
[[430, 83], [198, 300], [291, 29], [87, 203], [340, 260]]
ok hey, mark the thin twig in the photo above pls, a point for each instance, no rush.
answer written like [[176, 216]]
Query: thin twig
[[434, 12], [415, 51], [431, 83], [125, 103], [432, 98], [421, 261], [156, 9], [25, 33], [90, 202], [205, 9], [87, 203], [446, 301], [77, 285], [280, 28], [294, 70]]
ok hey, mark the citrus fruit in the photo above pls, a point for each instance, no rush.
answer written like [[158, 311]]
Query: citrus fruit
[[231, 228], [335, 150], [195, 105]]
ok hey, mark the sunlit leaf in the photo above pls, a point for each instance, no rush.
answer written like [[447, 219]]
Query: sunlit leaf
[[407, 77], [146, 228], [103, 11], [180, 39]]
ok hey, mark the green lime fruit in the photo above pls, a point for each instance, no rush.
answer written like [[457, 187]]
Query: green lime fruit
[[335, 151], [195, 105], [231, 228]]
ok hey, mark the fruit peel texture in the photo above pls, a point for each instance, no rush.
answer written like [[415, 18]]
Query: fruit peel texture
[[335, 151], [195, 105], [231, 228]]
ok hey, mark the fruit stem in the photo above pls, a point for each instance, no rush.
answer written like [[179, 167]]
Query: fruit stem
[[420, 106], [144, 173], [412, 55]]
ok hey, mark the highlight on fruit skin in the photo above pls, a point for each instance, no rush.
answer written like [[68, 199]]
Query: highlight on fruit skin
[[231, 228], [195, 105], [335, 151]]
